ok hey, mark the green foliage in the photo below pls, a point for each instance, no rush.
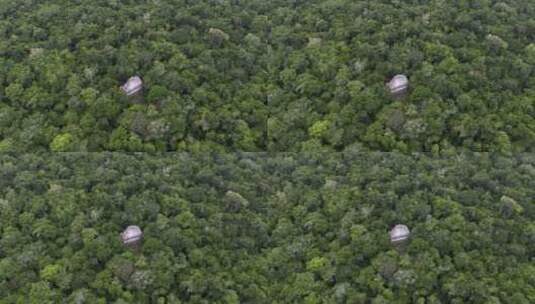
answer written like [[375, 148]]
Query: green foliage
[[267, 75], [530, 53], [316, 264], [319, 128], [65, 62], [157, 93], [51, 273], [264, 228], [306, 79], [466, 64], [61, 142]]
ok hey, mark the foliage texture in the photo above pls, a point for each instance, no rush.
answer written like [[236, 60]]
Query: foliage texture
[[279, 75], [256, 228]]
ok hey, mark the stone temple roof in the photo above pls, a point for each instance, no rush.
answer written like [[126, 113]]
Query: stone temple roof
[[132, 234], [398, 84], [132, 86], [399, 233]]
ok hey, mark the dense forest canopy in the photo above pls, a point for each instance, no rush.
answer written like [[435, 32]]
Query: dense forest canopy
[[293, 158], [255, 75], [258, 228], [470, 65]]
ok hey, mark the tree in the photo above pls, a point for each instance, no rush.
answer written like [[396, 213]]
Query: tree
[[62, 143]]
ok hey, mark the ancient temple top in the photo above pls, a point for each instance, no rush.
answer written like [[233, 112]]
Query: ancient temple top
[[398, 85], [132, 235], [132, 86], [399, 234]]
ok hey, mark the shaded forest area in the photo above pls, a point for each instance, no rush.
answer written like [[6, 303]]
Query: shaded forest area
[[260, 228], [280, 75]]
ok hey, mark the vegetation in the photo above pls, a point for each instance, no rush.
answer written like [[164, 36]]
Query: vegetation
[[469, 63], [292, 160], [231, 75], [62, 63], [257, 228]]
